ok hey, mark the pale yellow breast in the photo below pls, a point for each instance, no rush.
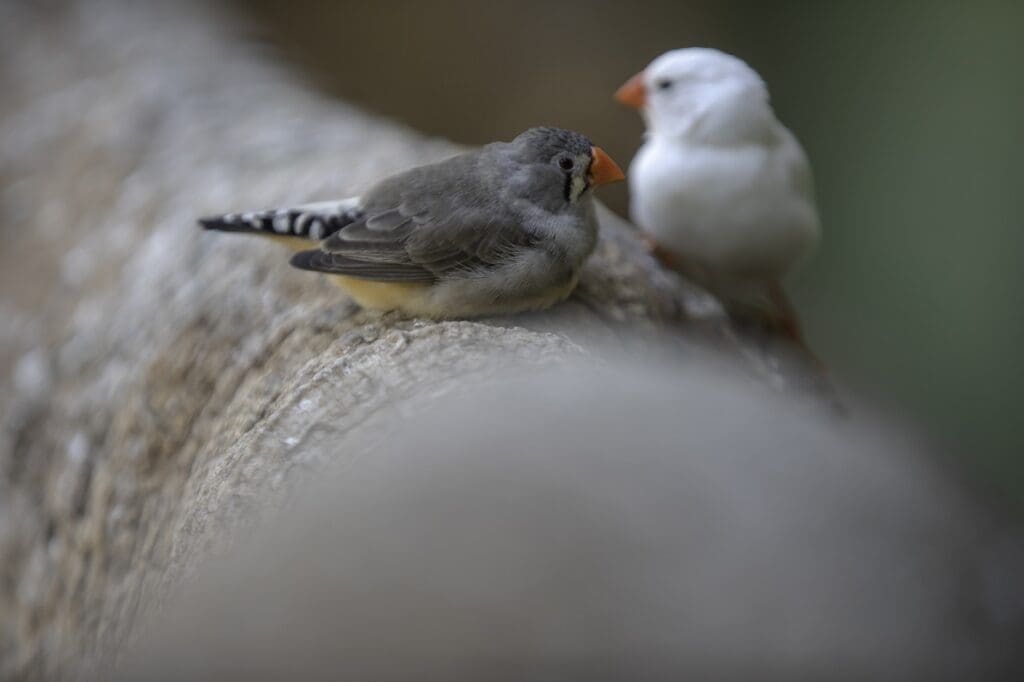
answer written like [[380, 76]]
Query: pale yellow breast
[[422, 300], [382, 295]]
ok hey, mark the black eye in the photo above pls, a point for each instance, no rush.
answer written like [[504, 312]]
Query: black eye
[[565, 163], [663, 84]]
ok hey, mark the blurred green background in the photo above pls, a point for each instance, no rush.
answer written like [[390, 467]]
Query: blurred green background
[[912, 114]]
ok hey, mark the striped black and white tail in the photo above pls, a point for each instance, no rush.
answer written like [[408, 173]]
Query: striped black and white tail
[[309, 221]]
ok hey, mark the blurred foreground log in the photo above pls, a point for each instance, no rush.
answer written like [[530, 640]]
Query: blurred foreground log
[[608, 523], [162, 385]]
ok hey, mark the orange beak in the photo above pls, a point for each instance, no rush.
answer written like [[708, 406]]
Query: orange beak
[[633, 93], [602, 169]]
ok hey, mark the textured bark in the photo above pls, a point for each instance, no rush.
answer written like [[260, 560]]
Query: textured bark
[[161, 381]]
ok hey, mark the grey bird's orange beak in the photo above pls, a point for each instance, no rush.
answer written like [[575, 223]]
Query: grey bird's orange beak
[[602, 169], [633, 93]]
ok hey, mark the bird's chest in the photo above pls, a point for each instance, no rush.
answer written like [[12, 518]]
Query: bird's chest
[[678, 186], [566, 240], [726, 207]]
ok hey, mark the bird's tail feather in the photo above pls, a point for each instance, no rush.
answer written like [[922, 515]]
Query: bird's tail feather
[[310, 221]]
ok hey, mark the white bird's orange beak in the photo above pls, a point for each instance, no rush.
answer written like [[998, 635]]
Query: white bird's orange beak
[[633, 93], [602, 169]]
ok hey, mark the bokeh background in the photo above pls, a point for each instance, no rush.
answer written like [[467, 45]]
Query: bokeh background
[[912, 114], [152, 412]]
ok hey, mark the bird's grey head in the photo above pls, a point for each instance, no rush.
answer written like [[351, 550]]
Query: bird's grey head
[[556, 167], [699, 92]]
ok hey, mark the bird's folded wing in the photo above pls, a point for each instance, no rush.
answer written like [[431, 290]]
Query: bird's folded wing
[[420, 241]]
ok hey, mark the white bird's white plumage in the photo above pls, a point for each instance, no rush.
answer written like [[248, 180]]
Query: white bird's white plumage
[[719, 180]]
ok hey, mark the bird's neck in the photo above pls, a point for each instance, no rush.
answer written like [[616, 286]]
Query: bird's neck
[[726, 122]]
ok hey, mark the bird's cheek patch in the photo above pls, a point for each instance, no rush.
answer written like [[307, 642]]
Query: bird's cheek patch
[[576, 188]]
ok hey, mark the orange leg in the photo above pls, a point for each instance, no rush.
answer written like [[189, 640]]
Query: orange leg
[[664, 256], [789, 322], [786, 317]]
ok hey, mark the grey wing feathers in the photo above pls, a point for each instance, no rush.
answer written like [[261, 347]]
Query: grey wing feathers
[[420, 250], [370, 248], [322, 261], [422, 226]]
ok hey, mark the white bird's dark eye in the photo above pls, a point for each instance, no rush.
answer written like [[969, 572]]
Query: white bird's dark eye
[[663, 84], [565, 163]]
